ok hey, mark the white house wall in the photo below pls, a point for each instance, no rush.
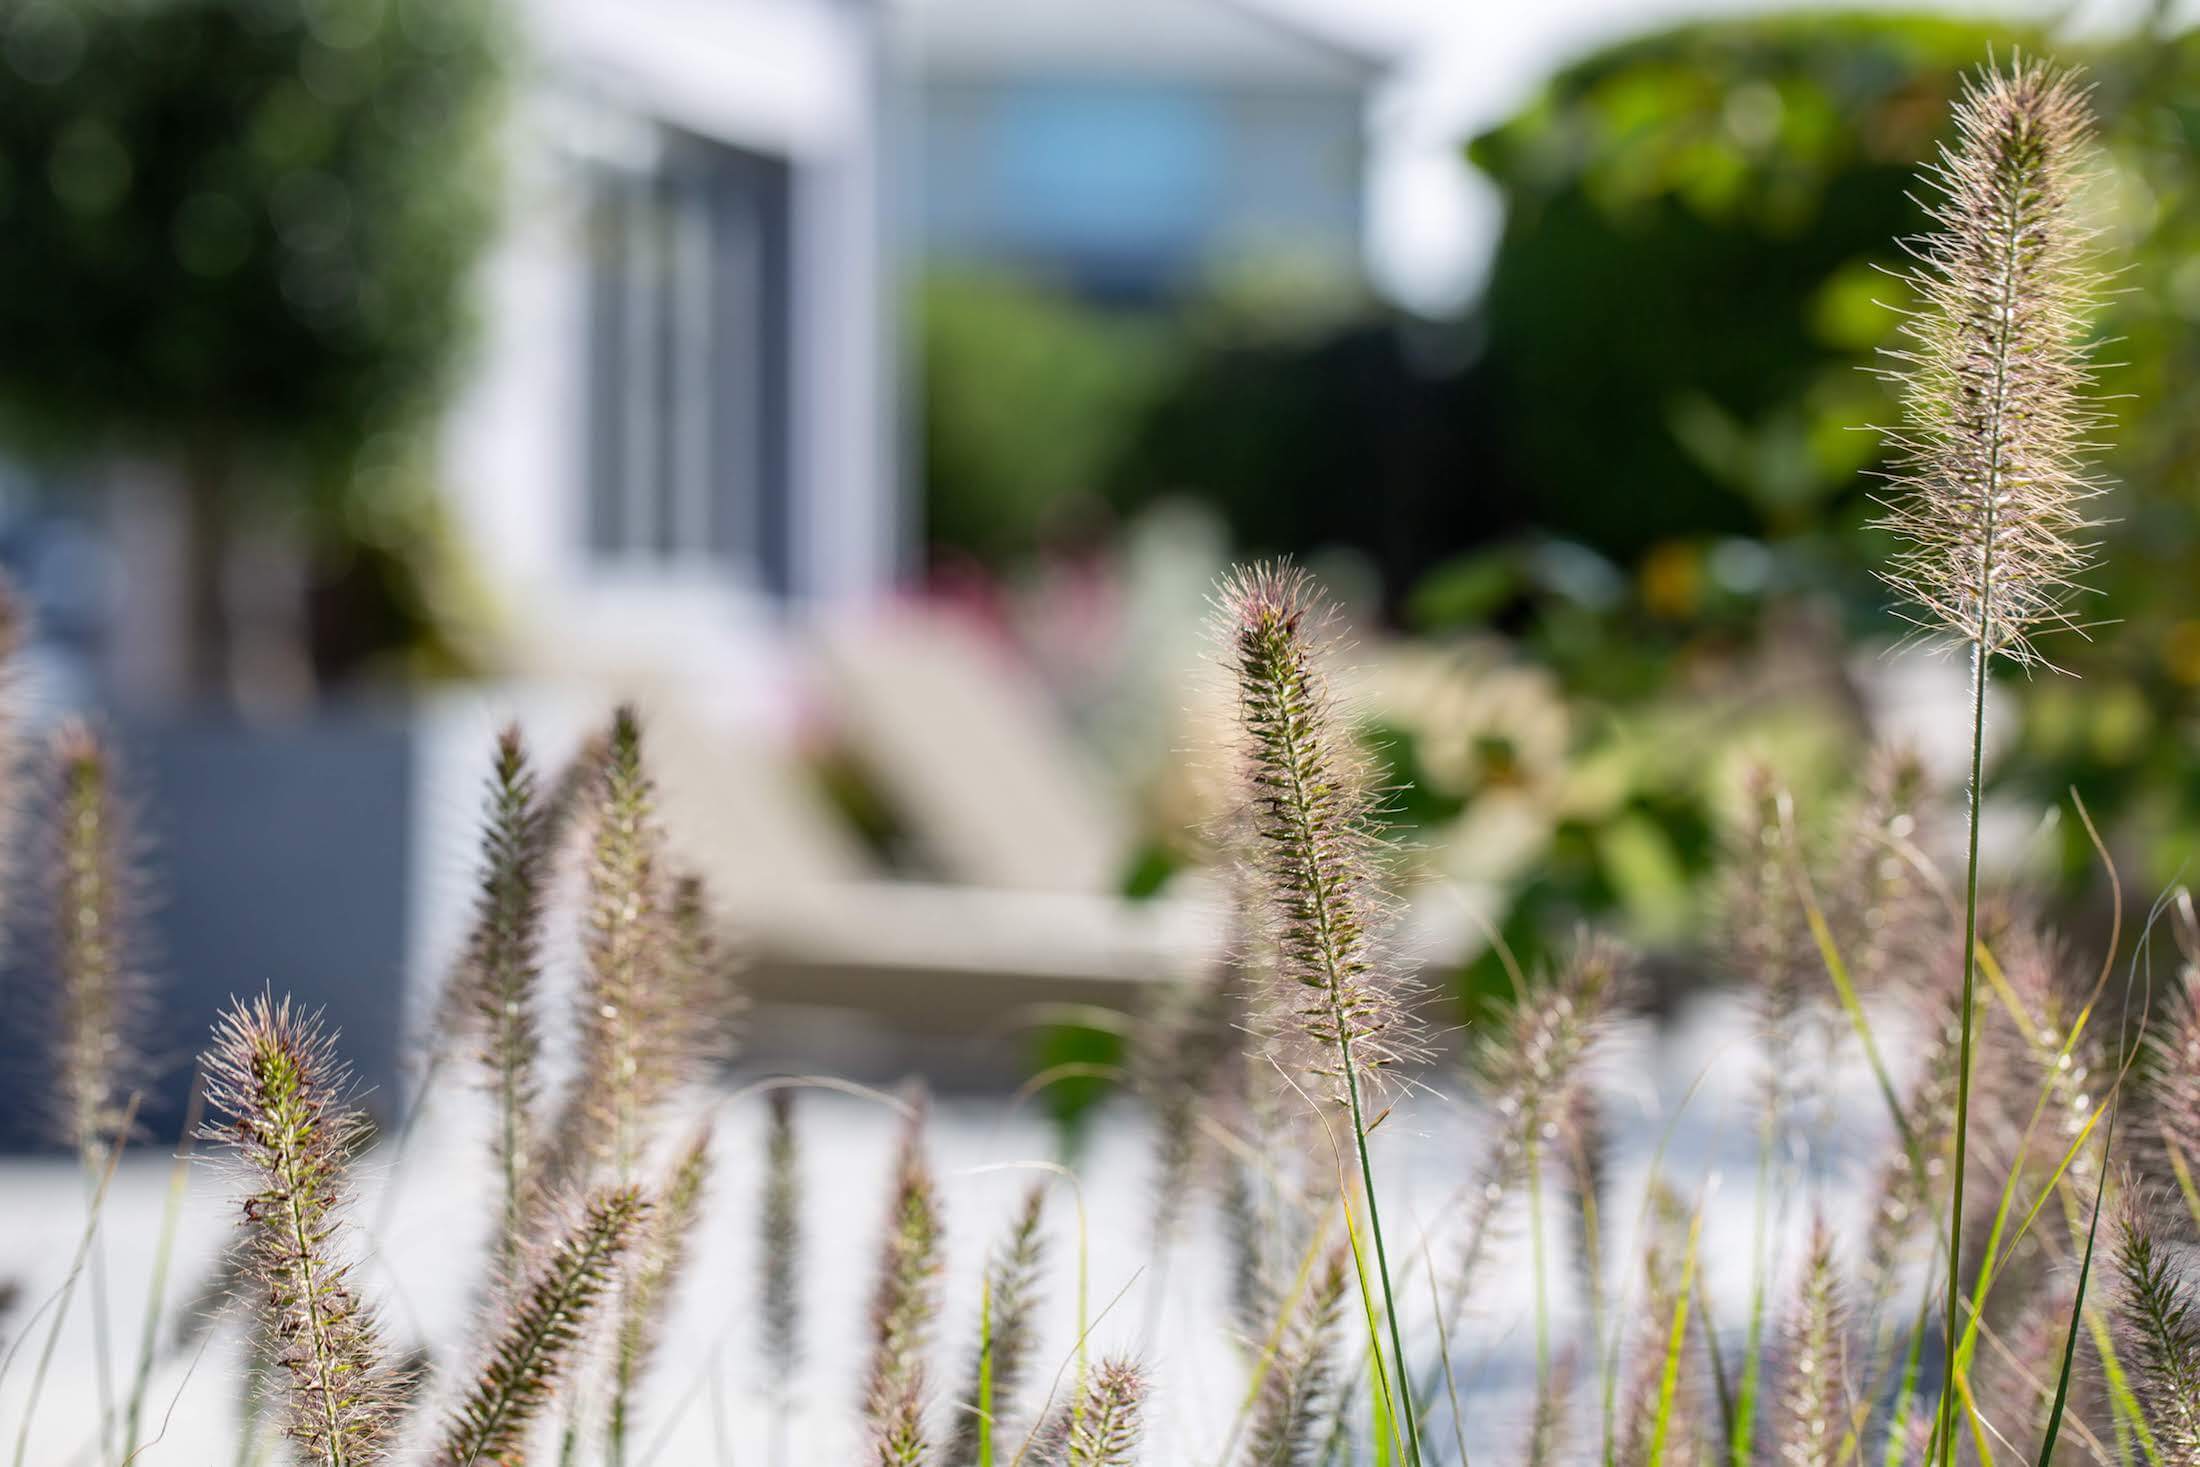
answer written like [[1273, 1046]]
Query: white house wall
[[785, 78], [780, 76], [847, 524]]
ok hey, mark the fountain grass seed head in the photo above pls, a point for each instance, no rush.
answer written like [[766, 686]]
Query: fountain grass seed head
[[544, 1326], [2157, 1326], [104, 996], [495, 996], [1312, 835], [1990, 485], [905, 1306], [280, 1097], [1014, 1274]]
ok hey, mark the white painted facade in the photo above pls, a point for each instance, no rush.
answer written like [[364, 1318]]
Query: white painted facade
[[787, 91]]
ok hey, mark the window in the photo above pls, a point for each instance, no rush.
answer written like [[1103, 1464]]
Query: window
[[688, 360], [1118, 178]]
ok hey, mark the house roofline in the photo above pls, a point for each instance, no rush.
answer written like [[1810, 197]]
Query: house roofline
[[1370, 61]]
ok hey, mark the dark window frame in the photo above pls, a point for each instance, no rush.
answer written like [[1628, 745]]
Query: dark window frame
[[690, 351]]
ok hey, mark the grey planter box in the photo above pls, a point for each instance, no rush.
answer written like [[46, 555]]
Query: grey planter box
[[277, 858]]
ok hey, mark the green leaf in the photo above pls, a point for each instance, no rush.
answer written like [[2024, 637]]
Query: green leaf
[[1676, 1341]]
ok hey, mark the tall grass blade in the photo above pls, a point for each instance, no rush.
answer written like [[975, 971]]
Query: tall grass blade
[[2077, 1307], [1676, 1346], [1008, 1331]]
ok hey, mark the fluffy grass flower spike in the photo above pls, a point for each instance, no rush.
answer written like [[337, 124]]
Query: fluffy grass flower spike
[[2171, 1125], [2158, 1329], [661, 1258], [629, 1058], [1300, 1390], [1104, 1429], [498, 991], [1990, 485], [626, 980], [1313, 833], [275, 1078], [904, 1308], [1533, 1073], [532, 1351], [104, 995], [1810, 1405]]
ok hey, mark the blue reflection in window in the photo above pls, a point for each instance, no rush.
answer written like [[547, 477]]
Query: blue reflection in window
[[1109, 169]]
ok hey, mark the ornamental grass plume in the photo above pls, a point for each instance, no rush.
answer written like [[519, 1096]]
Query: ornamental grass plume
[[102, 991], [2024, 1364], [1585, 1147], [625, 1069], [1550, 1435], [1883, 911], [1003, 1358], [1301, 1393], [497, 994], [635, 1037], [1179, 1052], [2157, 1328], [573, 791], [533, 1348], [1314, 834], [1809, 1413], [2170, 1124], [274, 1079], [1765, 944], [104, 994], [1313, 837], [904, 1307], [2048, 1055], [708, 1003], [1990, 484], [661, 1255], [1532, 1072], [1104, 1425], [1267, 1196]]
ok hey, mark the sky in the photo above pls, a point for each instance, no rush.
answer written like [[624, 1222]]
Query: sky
[[1469, 63]]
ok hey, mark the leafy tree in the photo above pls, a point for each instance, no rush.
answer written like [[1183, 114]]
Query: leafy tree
[[1030, 397], [1679, 332], [237, 234]]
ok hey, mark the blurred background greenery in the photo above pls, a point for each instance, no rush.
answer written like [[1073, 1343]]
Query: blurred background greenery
[[1637, 463]]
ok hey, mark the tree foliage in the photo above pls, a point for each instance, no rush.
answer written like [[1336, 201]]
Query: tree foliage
[[250, 220]]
